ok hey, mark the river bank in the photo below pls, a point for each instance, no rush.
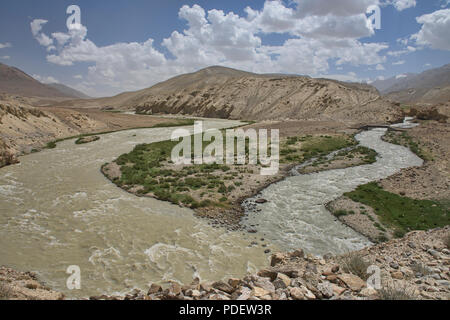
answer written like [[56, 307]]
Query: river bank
[[413, 268], [25, 129], [425, 185]]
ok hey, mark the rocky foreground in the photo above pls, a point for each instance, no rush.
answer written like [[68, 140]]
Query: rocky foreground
[[415, 267]]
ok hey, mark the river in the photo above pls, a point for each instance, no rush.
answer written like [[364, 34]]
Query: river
[[57, 210]]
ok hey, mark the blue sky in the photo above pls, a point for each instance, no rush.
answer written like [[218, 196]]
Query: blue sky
[[128, 45]]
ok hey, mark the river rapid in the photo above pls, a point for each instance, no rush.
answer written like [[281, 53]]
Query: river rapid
[[58, 210]]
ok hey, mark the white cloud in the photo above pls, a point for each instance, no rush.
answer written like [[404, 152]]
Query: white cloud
[[78, 76], [5, 45], [379, 67], [398, 63], [45, 80], [401, 5], [36, 27], [435, 30], [400, 76], [5, 57], [316, 39]]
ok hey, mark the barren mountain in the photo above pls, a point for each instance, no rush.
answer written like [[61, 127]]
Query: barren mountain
[[69, 91], [227, 93], [431, 86], [15, 81]]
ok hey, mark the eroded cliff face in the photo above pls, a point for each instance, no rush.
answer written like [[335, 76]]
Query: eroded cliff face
[[24, 128], [257, 97]]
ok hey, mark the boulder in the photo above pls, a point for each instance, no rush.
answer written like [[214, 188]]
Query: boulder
[[353, 282]]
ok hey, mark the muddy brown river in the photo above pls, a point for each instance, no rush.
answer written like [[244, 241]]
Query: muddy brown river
[[57, 210]]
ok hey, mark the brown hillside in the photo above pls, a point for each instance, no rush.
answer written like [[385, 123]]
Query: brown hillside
[[226, 93], [15, 81]]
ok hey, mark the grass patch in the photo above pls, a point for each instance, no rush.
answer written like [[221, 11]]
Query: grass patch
[[299, 149], [401, 213], [404, 139]]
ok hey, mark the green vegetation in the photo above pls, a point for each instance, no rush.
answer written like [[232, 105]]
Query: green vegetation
[[401, 213], [84, 141], [299, 149], [149, 170], [51, 145], [404, 139]]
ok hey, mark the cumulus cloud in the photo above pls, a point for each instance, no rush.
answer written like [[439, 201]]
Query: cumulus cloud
[[5, 45], [42, 38], [316, 38], [398, 63], [434, 31], [401, 5], [44, 79]]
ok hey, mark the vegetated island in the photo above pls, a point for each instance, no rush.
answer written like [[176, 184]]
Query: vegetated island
[[216, 191]]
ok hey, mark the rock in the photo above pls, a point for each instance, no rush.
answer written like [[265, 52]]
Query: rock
[[207, 286], [284, 278], [260, 201], [369, 292], [245, 294], [217, 296], [222, 286], [397, 275], [154, 288], [276, 259], [311, 267], [337, 290], [259, 292], [263, 283], [353, 282], [394, 265], [234, 282], [268, 274], [412, 245], [175, 288], [434, 253], [299, 253], [193, 293], [307, 293], [325, 289], [296, 293]]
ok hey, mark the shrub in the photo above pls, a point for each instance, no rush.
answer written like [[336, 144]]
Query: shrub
[[355, 264], [391, 293]]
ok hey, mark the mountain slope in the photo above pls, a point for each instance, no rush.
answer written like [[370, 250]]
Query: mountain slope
[[15, 81], [227, 93], [68, 91], [431, 86]]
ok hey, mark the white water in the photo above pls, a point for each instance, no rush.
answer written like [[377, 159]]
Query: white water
[[295, 214]]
